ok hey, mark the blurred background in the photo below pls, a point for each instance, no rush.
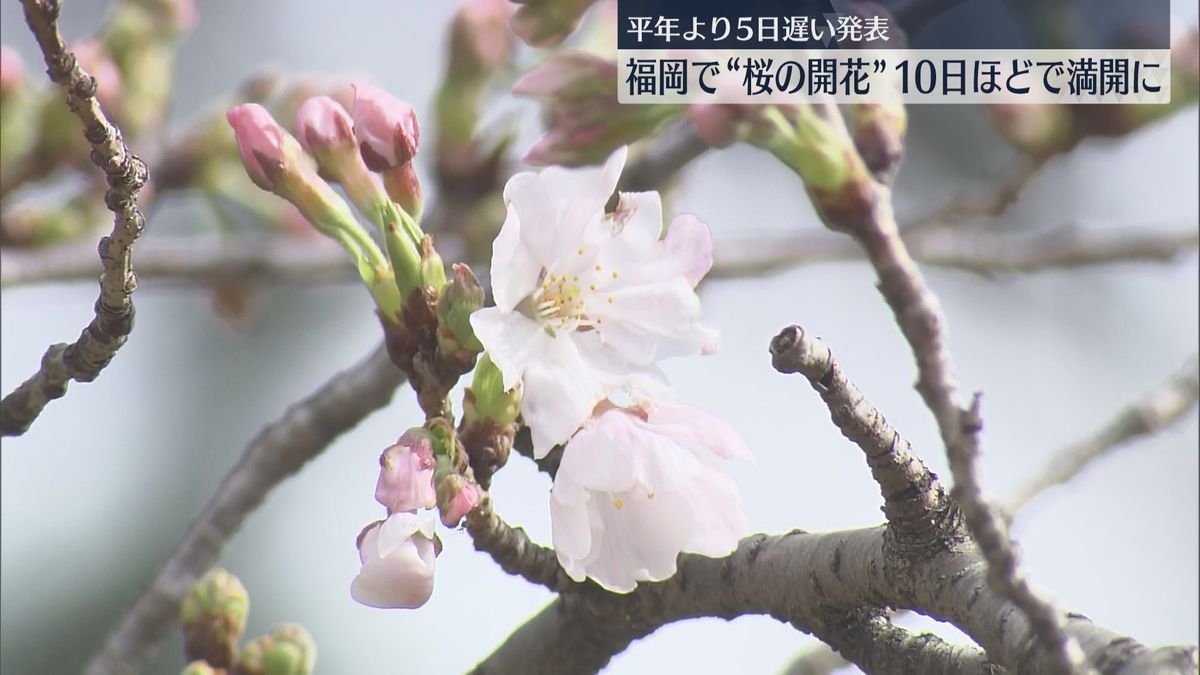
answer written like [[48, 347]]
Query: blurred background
[[97, 494]]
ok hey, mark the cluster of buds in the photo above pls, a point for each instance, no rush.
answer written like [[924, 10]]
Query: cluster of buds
[[141, 38], [424, 469], [1043, 130], [213, 618], [585, 122], [370, 153]]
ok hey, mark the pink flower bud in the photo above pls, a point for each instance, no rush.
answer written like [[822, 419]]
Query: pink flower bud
[[323, 125], [716, 124], [545, 23], [265, 146], [480, 28], [398, 557], [406, 473], [456, 498], [12, 70], [386, 128]]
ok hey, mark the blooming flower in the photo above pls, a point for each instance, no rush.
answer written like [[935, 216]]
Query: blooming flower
[[637, 487], [398, 557], [588, 302], [406, 473]]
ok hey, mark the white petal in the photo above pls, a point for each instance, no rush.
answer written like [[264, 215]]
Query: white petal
[[688, 247], [558, 393], [642, 539], [713, 499], [582, 193], [696, 429], [512, 341], [569, 520], [529, 198], [514, 271], [653, 321]]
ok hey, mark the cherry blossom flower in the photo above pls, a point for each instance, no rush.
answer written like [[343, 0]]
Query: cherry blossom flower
[[636, 487], [398, 558], [588, 302]]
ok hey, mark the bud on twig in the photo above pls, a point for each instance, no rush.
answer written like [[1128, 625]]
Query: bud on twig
[[460, 298], [288, 650], [545, 23], [585, 122], [456, 497], [406, 473], [213, 616], [489, 420]]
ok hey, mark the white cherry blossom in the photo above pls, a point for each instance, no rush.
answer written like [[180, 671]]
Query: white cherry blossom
[[398, 559], [636, 487], [588, 302]]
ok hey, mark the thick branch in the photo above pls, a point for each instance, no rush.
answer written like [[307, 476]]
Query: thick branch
[[83, 360], [922, 323], [278, 451], [1153, 412], [829, 585], [917, 509]]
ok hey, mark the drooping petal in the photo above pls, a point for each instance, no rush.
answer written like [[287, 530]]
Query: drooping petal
[[398, 560], [696, 429], [642, 539]]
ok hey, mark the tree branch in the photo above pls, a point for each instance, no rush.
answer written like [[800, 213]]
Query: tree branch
[[83, 360], [978, 252], [514, 551], [917, 510], [826, 584], [278, 451], [1153, 412]]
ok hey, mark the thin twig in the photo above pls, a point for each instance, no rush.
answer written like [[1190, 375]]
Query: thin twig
[[514, 551], [276, 452], [1153, 412], [83, 360]]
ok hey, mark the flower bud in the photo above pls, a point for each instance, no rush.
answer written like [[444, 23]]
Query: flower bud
[[213, 616], [879, 130], [267, 149], [460, 298], [1037, 129], [585, 122], [288, 650], [456, 497], [489, 421], [716, 124], [479, 38], [324, 128], [386, 128], [398, 557], [12, 72], [200, 668], [545, 23], [487, 397], [406, 473]]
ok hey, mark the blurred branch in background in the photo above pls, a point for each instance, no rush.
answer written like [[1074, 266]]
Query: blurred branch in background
[[83, 360], [1154, 412], [281, 259], [278, 451]]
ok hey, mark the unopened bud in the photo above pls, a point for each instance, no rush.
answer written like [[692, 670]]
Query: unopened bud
[[213, 616], [545, 23], [716, 124], [1038, 129], [488, 399], [460, 298], [585, 122], [879, 130], [479, 38], [267, 149], [288, 650], [406, 473], [325, 128], [456, 497], [200, 668], [386, 128], [12, 72]]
